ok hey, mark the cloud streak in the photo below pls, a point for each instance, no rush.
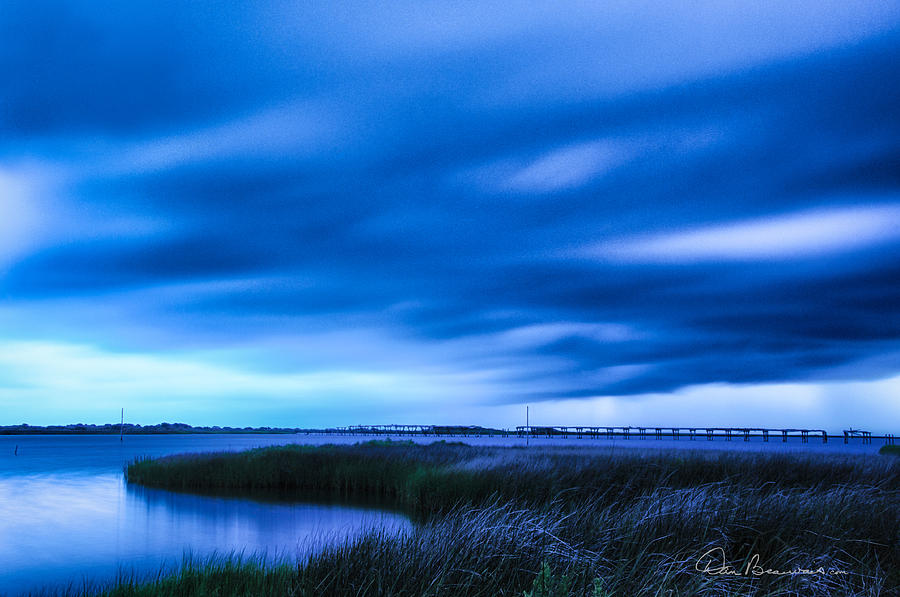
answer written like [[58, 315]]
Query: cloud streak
[[792, 236]]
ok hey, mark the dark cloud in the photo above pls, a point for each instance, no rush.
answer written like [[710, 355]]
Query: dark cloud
[[116, 69], [452, 218]]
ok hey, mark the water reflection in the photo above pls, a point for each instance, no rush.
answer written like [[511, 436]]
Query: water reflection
[[226, 523], [62, 528]]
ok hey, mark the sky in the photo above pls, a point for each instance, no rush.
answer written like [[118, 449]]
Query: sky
[[316, 214]]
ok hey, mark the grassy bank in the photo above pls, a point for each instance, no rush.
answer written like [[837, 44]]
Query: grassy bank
[[891, 450], [503, 521]]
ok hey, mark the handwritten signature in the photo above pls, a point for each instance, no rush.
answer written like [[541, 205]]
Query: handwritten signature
[[713, 563]]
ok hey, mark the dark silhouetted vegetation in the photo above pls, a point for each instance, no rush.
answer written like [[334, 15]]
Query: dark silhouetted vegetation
[[131, 429], [894, 450]]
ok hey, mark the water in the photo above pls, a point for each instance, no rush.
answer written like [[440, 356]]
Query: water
[[67, 515]]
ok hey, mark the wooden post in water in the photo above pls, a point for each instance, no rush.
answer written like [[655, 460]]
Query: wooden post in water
[[527, 428]]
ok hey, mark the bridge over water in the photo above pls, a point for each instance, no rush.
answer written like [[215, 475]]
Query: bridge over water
[[626, 433]]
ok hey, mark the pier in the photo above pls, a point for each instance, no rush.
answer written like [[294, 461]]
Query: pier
[[563, 432], [865, 436], [691, 433], [413, 430]]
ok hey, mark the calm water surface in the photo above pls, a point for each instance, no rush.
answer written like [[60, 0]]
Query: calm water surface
[[66, 513]]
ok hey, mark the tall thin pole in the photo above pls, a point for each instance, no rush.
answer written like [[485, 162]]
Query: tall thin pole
[[122, 426], [527, 427]]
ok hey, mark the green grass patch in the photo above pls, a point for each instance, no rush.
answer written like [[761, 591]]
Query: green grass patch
[[224, 576], [894, 450]]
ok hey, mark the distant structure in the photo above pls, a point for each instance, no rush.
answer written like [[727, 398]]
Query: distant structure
[[865, 435], [691, 433], [457, 430], [593, 432]]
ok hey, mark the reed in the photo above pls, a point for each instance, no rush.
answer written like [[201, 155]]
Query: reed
[[436, 477], [562, 521]]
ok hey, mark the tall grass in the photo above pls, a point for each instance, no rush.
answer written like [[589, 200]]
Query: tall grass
[[436, 477], [505, 521]]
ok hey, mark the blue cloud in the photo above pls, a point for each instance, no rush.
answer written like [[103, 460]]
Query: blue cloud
[[491, 187]]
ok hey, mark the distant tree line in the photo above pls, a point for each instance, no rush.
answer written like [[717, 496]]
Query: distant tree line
[[130, 429]]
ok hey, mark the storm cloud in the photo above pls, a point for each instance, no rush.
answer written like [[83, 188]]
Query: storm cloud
[[519, 203]]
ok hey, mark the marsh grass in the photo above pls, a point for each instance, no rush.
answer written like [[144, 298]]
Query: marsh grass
[[217, 574], [508, 521], [891, 450]]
